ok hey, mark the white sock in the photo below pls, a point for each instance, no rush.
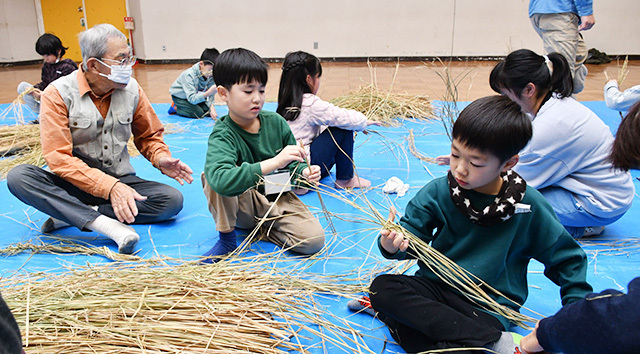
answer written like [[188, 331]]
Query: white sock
[[124, 235]]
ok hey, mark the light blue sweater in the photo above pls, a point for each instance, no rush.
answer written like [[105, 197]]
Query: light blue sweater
[[190, 86], [570, 149], [580, 7], [621, 101]]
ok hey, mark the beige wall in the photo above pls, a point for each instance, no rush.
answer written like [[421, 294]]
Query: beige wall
[[18, 30], [180, 29]]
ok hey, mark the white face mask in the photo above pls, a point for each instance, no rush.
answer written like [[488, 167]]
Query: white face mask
[[120, 74]]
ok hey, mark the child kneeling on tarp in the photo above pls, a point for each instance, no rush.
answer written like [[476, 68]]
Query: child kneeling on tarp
[[193, 91]]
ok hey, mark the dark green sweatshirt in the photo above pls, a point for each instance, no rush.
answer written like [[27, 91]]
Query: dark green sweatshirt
[[234, 155], [499, 254]]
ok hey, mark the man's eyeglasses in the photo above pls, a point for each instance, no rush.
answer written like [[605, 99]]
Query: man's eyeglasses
[[124, 62]]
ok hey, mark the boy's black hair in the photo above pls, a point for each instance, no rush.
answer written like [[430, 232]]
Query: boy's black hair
[[524, 66], [494, 125], [49, 44], [239, 65], [293, 82], [209, 55]]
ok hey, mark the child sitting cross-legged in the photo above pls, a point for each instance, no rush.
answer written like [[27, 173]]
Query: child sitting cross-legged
[[245, 146], [483, 217]]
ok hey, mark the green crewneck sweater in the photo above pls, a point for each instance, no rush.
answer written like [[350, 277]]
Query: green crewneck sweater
[[234, 155], [499, 254]]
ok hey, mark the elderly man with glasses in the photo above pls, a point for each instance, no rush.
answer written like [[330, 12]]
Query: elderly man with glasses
[[86, 120]]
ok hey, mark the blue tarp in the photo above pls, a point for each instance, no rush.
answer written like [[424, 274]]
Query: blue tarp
[[379, 155]]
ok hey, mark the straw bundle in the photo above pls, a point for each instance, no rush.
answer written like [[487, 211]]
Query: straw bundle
[[19, 144], [62, 246], [15, 109], [135, 307], [622, 71], [385, 106]]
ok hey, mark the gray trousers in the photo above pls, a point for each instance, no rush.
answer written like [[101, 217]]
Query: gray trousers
[[559, 33], [56, 197]]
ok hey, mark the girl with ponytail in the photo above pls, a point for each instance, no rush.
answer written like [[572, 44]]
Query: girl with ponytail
[[325, 130], [568, 157]]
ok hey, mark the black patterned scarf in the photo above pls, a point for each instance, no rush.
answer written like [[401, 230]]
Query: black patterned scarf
[[502, 208]]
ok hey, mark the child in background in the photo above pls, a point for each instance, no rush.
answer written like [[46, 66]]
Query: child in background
[[325, 130], [246, 145], [54, 67], [607, 322], [194, 90], [625, 154], [620, 101], [567, 159], [485, 218]]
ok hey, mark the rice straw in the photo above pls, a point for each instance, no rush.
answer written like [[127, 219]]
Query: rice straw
[[447, 271], [253, 306], [15, 109], [385, 106], [449, 111]]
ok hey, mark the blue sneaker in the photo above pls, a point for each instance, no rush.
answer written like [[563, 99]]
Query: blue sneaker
[[172, 109]]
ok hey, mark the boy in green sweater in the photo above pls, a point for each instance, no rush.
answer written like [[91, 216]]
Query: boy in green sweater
[[486, 219], [246, 145]]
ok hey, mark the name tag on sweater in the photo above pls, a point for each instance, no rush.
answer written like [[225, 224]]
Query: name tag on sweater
[[522, 208], [276, 182]]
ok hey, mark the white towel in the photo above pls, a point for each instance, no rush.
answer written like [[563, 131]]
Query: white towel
[[395, 185]]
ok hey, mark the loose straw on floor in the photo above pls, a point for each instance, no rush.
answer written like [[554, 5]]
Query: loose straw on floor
[[250, 306]]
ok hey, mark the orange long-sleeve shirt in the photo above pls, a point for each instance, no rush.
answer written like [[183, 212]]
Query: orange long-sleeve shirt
[[57, 143]]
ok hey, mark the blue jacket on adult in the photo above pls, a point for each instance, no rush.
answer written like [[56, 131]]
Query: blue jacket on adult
[[580, 7]]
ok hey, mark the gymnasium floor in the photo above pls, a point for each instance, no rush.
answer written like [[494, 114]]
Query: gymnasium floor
[[613, 258]]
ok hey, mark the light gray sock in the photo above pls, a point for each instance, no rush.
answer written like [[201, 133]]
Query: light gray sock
[[124, 235], [509, 343]]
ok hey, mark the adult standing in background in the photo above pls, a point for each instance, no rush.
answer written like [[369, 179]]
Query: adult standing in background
[[558, 23], [86, 120]]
